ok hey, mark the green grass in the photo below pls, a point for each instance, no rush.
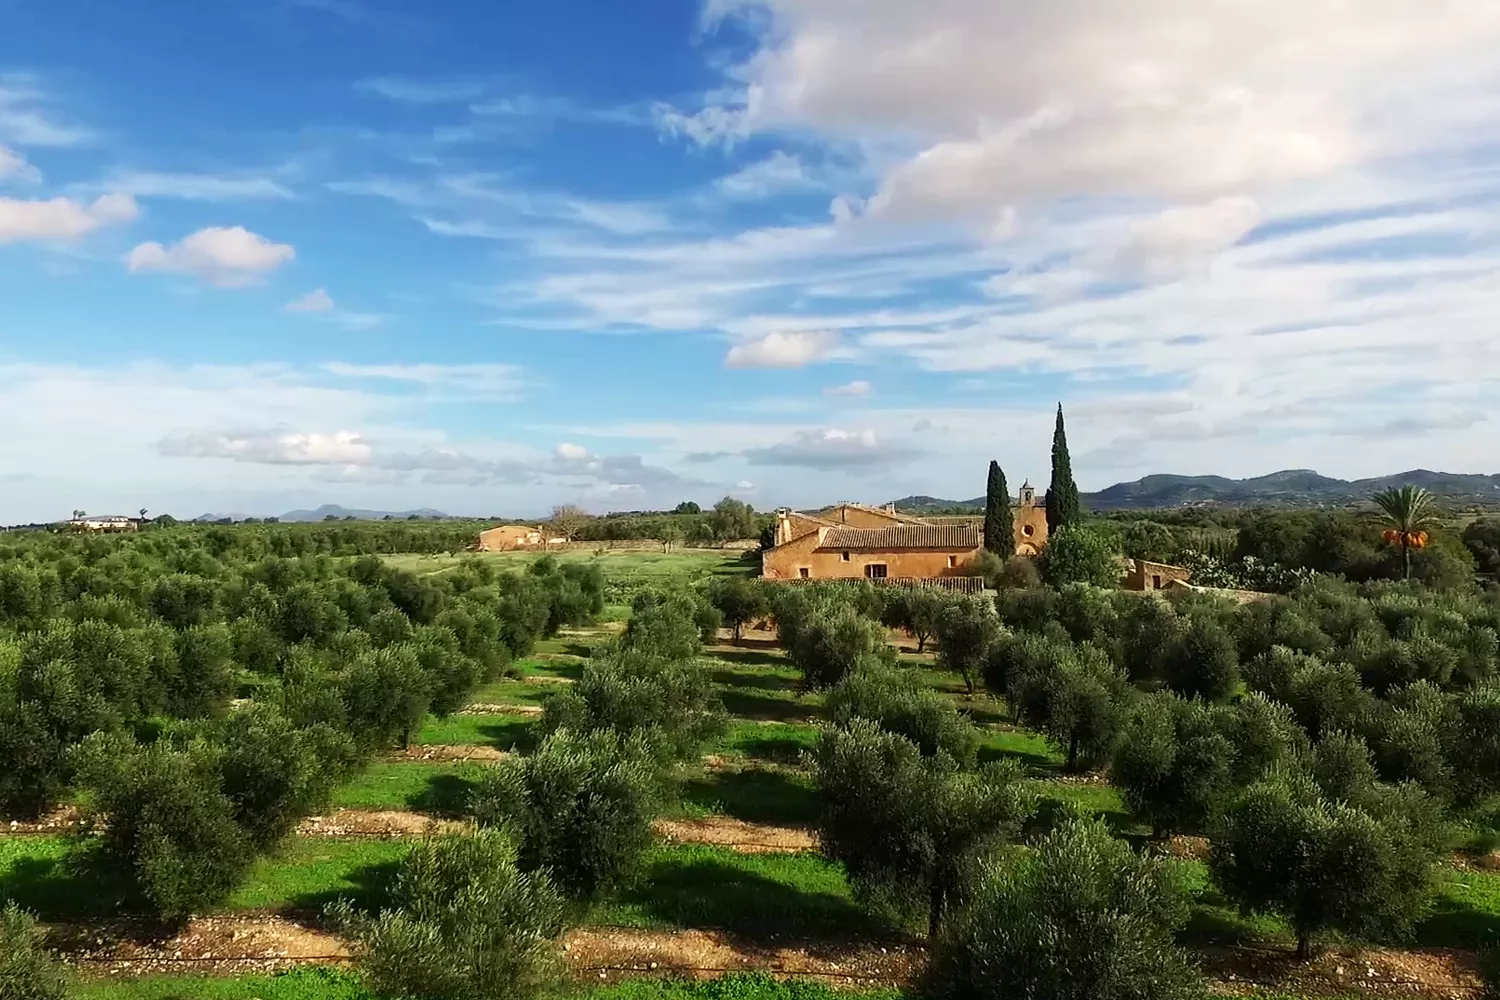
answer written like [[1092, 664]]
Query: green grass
[[736, 986], [304, 875], [700, 886], [297, 984], [504, 732], [440, 788], [753, 794], [308, 874], [782, 744], [342, 984], [1029, 748], [510, 691]]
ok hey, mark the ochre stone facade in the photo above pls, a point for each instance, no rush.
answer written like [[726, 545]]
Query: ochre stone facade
[[1030, 523], [511, 536], [900, 552], [1145, 575]]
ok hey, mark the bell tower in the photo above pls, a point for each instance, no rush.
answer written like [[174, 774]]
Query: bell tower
[[1028, 494]]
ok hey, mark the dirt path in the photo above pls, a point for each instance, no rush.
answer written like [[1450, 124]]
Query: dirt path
[[618, 953], [447, 753], [737, 835], [236, 945], [217, 945], [484, 708], [1438, 973], [390, 824], [63, 819]]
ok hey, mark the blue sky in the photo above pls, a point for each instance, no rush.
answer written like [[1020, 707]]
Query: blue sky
[[493, 257]]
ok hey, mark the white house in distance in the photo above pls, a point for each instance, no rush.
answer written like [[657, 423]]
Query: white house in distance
[[104, 522]]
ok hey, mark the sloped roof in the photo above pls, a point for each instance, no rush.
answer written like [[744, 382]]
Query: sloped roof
[[906, 536]]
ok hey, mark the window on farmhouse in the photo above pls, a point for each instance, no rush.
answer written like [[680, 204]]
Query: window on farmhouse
[[875, 571], [846, 557], [803, 572], [1156, 581], [952, 561]]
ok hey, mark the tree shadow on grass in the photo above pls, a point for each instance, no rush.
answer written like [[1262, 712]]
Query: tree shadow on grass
[[737, 678], [1030, 758], [746, 705], [777, 749], [1455, 923], [76, 887], [706, 892], [755, 796], [369, 890], [446, 795]]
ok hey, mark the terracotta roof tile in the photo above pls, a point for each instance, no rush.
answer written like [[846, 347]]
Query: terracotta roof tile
[[906, 536]]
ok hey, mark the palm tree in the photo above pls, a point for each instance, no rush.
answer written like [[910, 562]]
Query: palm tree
[[1410, 511]]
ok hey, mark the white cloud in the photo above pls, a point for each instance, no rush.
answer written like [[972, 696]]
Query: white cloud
[[570, 452], [25, 121], [15, 170], [858, 387], [407, 91], [833, 449], [779, 172], [783, 349], [196, 187], [272, 447], [61, 218], [316, 301], [493, 381], [226, 257]]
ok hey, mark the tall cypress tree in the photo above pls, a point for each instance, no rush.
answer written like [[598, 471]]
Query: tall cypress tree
[[1062, 494], [999, 528]]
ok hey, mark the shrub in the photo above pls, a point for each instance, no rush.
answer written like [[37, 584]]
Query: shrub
[[1202, 662], [1475, 743], [1173, 765], [580, 807], [1080, 553], [1018, 572], [905, 826], [740, 600], [1082, 917], [28, 971], [169, 825], [918, 611], [967, 632], [1324, 865], [1343, 768], [669, 624], [1264, 736], [464, 924], [831, 641], [670, 703], [44, 710], [894, 699], [385, 694], [276, 773], [1079, 704]]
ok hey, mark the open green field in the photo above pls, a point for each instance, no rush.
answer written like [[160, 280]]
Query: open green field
[[625, 568]]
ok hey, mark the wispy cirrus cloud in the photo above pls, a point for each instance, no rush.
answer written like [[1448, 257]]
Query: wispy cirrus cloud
[[26, 118]]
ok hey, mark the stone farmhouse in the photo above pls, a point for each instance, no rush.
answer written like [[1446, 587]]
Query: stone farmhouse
[[852, 541], [509, 537], [105, 522]]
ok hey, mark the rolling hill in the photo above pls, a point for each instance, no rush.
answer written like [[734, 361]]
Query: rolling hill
[[1291, 487]]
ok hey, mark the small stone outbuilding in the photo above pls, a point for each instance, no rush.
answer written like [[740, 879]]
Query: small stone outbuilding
[[1142, 574], [509, 537]]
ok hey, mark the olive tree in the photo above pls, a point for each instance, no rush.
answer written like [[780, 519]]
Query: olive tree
[[904, 826], [170, 826], [1080, 917], [967, 631], [580, 807], [28, 971], [1327, 865], [1173, 765], [918, 610], [1079, 704], [895, 699], [831, 641], [671, 703], [1080, 553], [740, 601], [1201, 661], [464, 924]]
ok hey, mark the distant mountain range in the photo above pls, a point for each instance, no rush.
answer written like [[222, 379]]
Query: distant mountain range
[[338, 513], [1292, 487]]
